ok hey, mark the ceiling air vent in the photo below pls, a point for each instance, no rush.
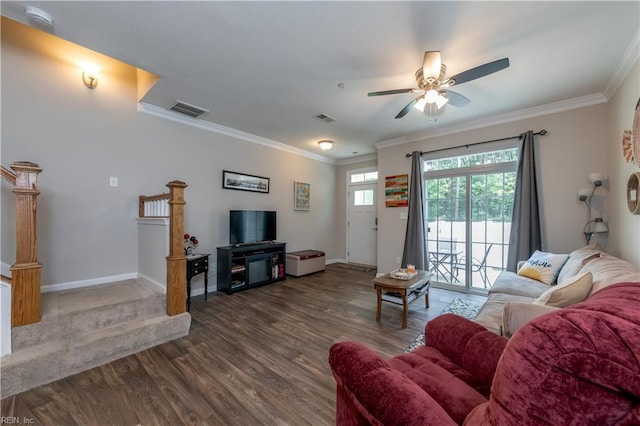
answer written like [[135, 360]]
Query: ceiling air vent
[[187, 109], [324, 117]]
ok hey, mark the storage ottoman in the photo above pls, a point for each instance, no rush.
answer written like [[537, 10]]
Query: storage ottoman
[[305, 262]]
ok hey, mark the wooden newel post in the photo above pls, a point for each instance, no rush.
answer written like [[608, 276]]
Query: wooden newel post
[[176, 261], [25, 273]]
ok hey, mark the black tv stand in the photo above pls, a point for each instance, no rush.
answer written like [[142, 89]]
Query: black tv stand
[[250, 265]]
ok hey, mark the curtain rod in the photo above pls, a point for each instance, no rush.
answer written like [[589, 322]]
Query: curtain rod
[[541, 132]]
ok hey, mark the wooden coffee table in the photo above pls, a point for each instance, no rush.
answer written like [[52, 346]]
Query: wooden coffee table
[[405, 291]]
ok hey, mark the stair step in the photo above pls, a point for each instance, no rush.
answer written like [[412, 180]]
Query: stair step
[[69, 313], [43, 363], [86, 327]]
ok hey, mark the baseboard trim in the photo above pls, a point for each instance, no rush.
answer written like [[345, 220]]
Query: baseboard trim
[[113, 278], [160, 286], [330, 261], [87, 283]]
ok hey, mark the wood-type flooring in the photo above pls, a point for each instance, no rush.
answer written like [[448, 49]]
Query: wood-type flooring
[[257, 357]]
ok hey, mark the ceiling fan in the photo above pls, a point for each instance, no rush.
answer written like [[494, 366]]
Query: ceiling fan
[[434, 84]]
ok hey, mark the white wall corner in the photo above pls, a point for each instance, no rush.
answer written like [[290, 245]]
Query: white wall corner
[[153, 248], [5, 269], [5, 319], [160, 286]]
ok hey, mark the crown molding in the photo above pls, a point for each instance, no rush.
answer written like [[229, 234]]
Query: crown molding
[[494, 120], [628, 60], [360, 159], [227, 131]]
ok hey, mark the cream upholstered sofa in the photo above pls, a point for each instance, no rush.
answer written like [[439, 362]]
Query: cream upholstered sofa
[[514, 299]]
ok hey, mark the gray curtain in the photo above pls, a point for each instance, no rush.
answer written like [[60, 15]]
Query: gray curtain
[[415, 252], [525, 224]]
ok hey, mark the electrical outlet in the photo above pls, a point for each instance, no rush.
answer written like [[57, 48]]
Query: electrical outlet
[[398, 260], [113, 182]]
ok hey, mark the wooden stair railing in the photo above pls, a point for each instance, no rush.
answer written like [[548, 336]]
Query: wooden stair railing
[[8, 175], [26, 271], [176, 261], [153, 205], [158, 206]]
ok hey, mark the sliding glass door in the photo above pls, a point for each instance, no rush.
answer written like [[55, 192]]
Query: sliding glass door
[[468, 204], [446, 211]]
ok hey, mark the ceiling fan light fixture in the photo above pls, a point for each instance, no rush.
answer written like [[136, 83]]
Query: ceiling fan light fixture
[[441, 101], [433, 85], [325, 145], [420, 104], [431, 96]]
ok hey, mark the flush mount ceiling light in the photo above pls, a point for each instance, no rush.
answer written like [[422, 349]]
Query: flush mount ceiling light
[[39, 18], [325, 145]]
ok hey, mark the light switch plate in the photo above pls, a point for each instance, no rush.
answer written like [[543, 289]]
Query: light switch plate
[[113, 182]]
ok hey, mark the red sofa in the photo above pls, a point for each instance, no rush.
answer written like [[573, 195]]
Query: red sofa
[[579, 365]]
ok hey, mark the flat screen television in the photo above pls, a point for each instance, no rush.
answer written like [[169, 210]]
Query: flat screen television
[[250, 226]]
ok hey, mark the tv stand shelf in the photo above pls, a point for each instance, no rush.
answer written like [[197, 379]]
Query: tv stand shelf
[[250, 265]]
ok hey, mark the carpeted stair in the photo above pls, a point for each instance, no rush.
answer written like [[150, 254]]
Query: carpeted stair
[[86, 327]]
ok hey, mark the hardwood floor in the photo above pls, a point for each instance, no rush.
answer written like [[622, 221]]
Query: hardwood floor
[[257, 357]]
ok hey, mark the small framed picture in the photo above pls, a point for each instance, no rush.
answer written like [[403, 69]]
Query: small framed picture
[[301, 196], [244, 182]]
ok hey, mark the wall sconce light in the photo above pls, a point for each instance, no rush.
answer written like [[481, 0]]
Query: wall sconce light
[[90, 76], [325, 145], [585, 195]]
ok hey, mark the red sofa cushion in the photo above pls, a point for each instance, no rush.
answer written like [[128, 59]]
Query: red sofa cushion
[[371, 392], [422, 387], [452, 394]]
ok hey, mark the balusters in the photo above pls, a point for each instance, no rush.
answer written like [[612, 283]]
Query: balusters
[[154, 205], [171, 205]]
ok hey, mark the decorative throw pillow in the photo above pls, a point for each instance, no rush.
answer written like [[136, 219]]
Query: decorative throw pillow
[[567, 293], [517, 314], [577, 259], [543, 267]]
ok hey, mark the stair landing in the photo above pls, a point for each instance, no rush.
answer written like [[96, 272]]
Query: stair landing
[[86, 327]]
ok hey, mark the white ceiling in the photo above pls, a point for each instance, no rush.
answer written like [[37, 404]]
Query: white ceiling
[[267, 68]]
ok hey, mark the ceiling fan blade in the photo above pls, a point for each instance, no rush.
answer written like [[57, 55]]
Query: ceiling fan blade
[[432, 64], [456, 99], [481, 71], [391, 92], [406, 109]]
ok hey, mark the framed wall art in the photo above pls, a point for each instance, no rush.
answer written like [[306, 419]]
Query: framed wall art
[[301, 196], [396, 191], [244, 182]]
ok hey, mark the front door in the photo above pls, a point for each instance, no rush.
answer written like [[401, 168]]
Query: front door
[[362, 227]]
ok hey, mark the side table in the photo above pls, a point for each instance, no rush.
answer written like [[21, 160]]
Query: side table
[[197, 264], [404, 291]]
